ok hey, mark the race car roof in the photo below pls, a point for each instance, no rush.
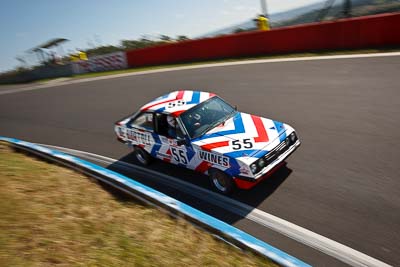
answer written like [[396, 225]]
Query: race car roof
[[176, 102]]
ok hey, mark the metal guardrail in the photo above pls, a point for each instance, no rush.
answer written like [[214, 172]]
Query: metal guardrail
[[144, 193]]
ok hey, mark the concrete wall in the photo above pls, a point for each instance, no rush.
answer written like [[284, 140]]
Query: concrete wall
[[363, 32]]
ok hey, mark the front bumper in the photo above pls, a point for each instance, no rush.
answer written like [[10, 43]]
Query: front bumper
[[248, 182]]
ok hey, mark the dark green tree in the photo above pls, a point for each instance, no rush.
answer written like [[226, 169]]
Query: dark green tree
[[101, 50], [165, 38], [180, 38]]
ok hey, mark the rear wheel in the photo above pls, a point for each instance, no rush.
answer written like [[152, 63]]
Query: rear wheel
[[141, 155], [221, 182]]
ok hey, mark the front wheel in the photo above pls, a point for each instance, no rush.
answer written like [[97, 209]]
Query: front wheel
[[221, 182], [141, 155]]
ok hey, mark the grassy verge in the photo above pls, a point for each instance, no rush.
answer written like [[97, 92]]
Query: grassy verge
[[51, 215], [276, 56]]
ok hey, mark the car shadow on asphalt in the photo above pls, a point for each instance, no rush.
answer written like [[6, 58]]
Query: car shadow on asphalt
[[254, 197], [264, 189]]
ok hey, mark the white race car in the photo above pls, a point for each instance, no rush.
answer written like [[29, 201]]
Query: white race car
[[202, 132]]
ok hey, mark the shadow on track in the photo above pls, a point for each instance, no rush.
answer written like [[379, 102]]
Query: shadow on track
[[263, 190], [252, 197]]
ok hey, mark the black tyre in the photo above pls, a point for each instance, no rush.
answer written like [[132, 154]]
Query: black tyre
[[222, 182], [141, 155]]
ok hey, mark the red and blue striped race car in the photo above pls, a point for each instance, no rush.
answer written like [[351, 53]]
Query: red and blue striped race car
[[202, 132]]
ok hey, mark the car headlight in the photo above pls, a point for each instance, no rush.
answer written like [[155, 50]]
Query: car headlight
[[261, 163], [253, 168], [287, 141], [292, 137]]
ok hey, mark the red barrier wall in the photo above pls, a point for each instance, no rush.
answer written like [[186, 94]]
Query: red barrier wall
[[363, 32]]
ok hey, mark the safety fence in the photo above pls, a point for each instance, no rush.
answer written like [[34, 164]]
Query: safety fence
[[356, 33], [112, 61]]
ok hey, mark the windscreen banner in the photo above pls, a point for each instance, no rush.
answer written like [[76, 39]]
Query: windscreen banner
[[112, 61]]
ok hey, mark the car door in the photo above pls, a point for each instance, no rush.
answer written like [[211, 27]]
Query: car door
[[139, 131], [174, 148]]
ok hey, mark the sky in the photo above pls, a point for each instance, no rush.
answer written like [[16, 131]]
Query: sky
[[26, 24]]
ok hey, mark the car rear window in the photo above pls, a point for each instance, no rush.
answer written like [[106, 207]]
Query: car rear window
[[144, 120]]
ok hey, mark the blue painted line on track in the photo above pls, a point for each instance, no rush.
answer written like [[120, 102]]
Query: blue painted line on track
[[249, 241]]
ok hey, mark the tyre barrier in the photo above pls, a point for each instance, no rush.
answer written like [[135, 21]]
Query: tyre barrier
[[153, 197]]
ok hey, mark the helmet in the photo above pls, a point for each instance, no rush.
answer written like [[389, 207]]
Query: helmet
[[196, 120], [171, 121]]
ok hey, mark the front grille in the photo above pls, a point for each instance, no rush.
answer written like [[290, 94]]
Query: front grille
[[276, 152]]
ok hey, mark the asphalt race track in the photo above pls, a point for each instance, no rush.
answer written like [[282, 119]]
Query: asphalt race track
[[342, 183]]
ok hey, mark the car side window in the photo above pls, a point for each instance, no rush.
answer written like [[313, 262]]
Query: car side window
[[144, 120], [179, 132], [163, 128], [161, 124]]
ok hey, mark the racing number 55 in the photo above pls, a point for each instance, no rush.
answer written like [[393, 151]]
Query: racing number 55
[[179, 155], [236, 144]]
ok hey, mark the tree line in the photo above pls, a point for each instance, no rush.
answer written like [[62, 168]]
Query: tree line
[[134, 44]]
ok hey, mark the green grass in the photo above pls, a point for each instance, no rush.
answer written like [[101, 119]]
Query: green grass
[[51, 215]]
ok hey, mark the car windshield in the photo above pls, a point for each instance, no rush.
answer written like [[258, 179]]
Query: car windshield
[[206, 116]]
